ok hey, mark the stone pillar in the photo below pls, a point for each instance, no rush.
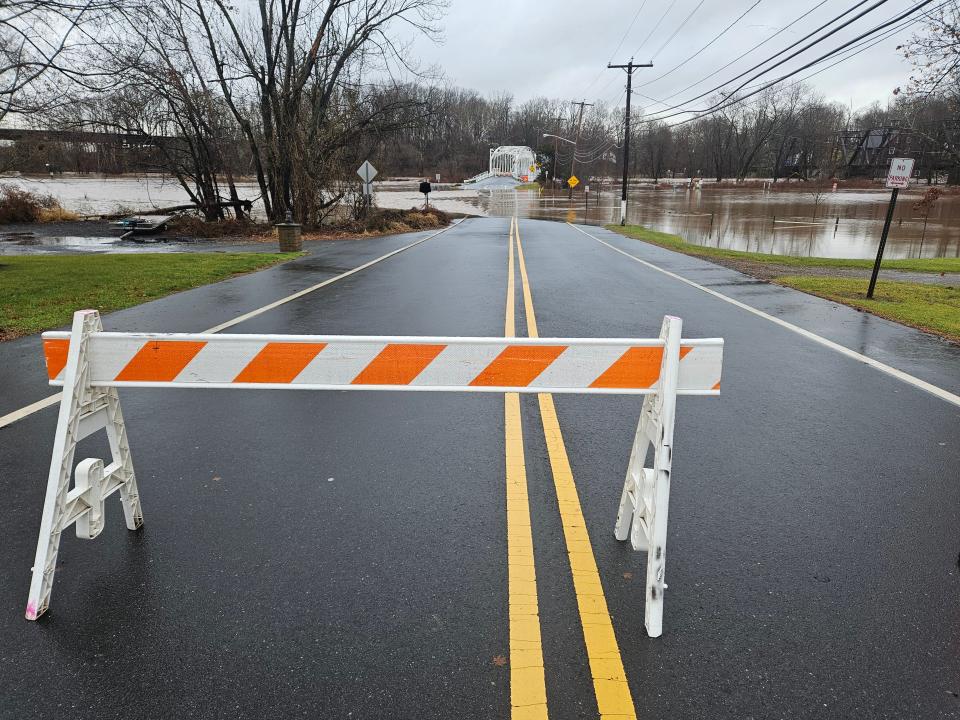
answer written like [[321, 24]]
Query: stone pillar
[[288, 232]]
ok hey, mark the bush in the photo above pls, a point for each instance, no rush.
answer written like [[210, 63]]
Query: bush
[[399, 221], [196, 226], [22, 206], [57, 214], [18, 205]]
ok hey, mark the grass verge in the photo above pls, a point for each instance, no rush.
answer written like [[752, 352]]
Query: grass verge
[[528, 186], [675, 242], [39, 292], [934, 308]]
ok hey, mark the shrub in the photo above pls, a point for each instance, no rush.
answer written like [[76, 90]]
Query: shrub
[[196, 226], [57, 214], [396, 221], [19, 205]]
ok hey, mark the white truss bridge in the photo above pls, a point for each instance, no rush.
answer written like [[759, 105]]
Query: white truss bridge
[[516, 161]]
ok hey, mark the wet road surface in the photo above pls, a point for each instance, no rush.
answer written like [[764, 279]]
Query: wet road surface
[[337, 554]]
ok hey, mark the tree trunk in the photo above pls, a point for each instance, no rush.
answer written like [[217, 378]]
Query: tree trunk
[[953, 175]]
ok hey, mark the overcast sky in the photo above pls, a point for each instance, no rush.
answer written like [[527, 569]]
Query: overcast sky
[[560, 48]]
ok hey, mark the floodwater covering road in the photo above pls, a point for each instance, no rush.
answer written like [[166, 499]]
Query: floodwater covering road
[[807, 220], [794, 221], [330, 554]]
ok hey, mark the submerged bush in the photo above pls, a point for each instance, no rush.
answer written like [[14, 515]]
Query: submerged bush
[[18, 205]]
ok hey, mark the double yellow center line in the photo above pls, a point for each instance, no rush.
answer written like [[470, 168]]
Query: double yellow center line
[[527, 688], [528, 693]]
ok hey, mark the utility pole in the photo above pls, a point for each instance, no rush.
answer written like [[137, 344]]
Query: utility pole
[[553, 177], [629, 67], [573, 160]]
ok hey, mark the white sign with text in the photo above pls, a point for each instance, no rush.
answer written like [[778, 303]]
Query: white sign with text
[[898, 176]]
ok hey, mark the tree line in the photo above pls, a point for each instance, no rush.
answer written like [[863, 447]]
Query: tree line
[[297, 94]]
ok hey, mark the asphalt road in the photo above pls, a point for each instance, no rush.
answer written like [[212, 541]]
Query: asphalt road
[[340, 554]]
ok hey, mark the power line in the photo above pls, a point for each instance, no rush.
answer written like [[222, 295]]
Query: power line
[[679, 28], [717, 37], [873, 31], [650, 34], [853, 51], [849, 52], [817, 41], [619, 45], [744, 54]]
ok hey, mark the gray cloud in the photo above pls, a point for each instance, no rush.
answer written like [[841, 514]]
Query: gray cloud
[[560, 49]]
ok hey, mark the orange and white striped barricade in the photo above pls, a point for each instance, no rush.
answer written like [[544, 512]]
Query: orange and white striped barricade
[[91, 364]]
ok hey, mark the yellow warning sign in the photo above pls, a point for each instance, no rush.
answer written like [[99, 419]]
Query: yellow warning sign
[[533, 168], [573, 181]]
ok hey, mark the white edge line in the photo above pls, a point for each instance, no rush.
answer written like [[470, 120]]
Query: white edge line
[[843, 350], [46, 402], [27, 410], [329, 281]]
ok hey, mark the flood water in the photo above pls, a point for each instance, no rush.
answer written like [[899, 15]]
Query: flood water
[[841, 224], [794, 221]]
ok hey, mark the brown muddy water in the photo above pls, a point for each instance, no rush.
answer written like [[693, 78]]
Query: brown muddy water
[[841, 224], [793, 221]]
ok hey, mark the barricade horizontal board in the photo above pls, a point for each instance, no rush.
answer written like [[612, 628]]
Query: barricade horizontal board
[[91, 364], [396, 363]]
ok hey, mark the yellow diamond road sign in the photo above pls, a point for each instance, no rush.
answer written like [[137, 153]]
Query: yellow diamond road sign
[[573, 181]]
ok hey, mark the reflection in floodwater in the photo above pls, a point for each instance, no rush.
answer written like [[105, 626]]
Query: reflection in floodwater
[[793, 221], [27, 243], [842, 224]]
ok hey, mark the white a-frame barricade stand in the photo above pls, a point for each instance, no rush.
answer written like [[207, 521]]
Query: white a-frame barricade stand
[[91, 364]]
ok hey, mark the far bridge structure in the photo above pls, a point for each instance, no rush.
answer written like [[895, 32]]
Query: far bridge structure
[[515, 161], [867, 152]]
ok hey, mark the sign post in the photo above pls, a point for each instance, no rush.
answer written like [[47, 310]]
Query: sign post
[[367, 173], [898, 176]]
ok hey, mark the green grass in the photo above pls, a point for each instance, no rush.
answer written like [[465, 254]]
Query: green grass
[[528, 186], [39, 292], [935, 308], [674, 242]]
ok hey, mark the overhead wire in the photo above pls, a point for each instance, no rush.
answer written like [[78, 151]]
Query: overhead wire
[[697, 53], [773, 57], [747, 52], [679, 28], [654, 29], [723, 67], [728, 103], [619, 45], [871, 42], [846, 55], [849, 51]]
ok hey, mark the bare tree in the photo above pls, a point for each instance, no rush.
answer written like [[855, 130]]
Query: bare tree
[[291, 74], [935, 53], [40, 37]]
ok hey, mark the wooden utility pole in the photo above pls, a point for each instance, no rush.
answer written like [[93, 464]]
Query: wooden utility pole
[[629, 67], [576, 141], [553, 177]]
